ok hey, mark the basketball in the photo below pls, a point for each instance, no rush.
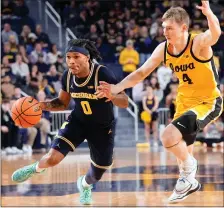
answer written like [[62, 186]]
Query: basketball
[[26, 112]]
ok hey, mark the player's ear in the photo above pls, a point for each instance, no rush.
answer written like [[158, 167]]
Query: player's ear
[[184, 27], [88, 58]]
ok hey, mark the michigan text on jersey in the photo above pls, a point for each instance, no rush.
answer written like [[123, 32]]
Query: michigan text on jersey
[[84, 95]]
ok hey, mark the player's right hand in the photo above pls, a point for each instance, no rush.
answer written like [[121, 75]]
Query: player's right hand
[[103, 90], [107, 90], [42, 105]]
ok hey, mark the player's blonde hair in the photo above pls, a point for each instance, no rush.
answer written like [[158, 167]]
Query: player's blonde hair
[[178, 14]]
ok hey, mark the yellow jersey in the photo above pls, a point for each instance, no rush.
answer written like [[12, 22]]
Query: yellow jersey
[[198, 79]]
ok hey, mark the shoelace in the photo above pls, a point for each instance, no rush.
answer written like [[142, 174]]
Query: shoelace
[[25, 173], [28, 171], [86, 193]]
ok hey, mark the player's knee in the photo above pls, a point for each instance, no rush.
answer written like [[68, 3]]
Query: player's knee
[[170, 136]]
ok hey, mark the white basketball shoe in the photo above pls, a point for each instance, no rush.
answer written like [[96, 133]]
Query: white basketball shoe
[[186, 183]]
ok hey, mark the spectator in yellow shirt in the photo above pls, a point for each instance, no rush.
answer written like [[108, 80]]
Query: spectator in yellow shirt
[[129, 59]]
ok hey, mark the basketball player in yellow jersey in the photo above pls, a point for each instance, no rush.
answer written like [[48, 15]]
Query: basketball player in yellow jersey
[[198, 101]]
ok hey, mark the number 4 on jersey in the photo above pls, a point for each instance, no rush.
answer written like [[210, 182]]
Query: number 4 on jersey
[[186, 78]]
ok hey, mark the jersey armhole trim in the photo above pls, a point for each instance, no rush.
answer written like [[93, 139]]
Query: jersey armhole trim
[[68, 80], [165, 52], [197, 59], [97, 77]]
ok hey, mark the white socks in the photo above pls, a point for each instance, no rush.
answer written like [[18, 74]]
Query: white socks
[[84, 183], [38, 170], [189, 161]]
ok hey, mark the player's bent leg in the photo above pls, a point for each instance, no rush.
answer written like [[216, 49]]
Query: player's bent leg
[[186, 184], [49, 160], [94, 174], [84, 183], [52, 158]]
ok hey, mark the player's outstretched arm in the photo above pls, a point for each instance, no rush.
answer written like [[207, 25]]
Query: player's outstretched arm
[[57, 104], [120, 100], [137, 76], [210, 36]]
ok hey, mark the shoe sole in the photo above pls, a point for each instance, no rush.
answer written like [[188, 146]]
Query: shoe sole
[[188, 193]]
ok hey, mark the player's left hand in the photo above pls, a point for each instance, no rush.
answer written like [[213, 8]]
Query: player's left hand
[[104, 90], [205, 8]]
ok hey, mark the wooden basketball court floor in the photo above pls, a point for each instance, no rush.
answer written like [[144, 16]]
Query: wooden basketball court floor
[[139, 177]]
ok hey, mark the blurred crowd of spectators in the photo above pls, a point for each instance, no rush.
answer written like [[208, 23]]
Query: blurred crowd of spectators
[[111, 23], [125, 32], [30, 63]]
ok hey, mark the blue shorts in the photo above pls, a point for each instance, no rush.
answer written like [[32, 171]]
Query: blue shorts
[[100, 140]]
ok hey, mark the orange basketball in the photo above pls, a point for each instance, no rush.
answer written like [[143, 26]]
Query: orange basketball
[[26, 112]]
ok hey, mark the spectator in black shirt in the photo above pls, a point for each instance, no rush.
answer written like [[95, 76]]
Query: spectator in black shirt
[[24, 36], [172, 84], [7, 8], [106, 51], [134, 8], [7, 52], [60, 65], [80, 23], [52, 75], [93, 34], [20, 9], [111, 17], [35, 80], [149, 8], [70, 12], [54, 78], [5, 67], [117, 9], [119, 27], [101, 26], [198, 18], [42, 37], [9, 131], [141, 18], [118, 47], [143, 44], [42, 67], [111, 35]]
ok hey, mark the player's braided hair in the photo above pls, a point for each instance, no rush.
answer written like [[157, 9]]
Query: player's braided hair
[[87, 44]]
